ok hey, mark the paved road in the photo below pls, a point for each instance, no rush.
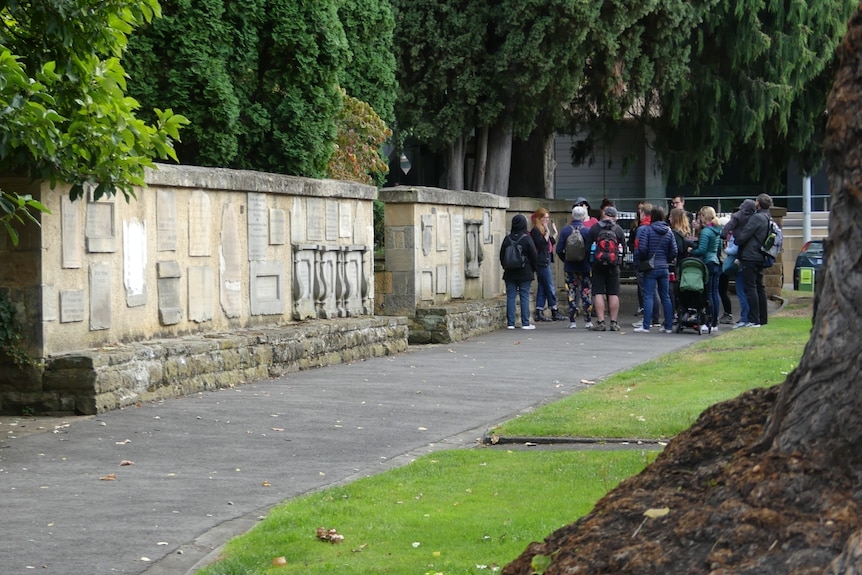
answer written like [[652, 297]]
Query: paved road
[[206, 467]]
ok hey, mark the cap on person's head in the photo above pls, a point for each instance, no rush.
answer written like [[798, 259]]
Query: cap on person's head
[[582, 202], [611, 212]]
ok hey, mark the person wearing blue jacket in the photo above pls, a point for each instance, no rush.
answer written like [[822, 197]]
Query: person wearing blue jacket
[[578, 280], [657, 242], [707, 250], [518, 281]]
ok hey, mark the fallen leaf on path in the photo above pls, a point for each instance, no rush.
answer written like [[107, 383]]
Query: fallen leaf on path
[[109, 477], [279, 561], [126, 462]]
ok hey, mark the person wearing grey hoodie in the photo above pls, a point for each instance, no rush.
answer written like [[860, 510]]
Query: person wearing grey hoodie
[[656, 241]]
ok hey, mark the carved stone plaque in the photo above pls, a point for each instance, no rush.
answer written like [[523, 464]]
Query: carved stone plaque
[[257, 229], [166, 221], [201, 293], [72, 306], [135, 262], [230, 263], [277, 227], [100, 296], [200, 228], [70, 233]]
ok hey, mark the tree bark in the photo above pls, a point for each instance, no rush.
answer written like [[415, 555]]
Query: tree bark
[[481, 159], [819, 409], [499, 157], [455, 165]]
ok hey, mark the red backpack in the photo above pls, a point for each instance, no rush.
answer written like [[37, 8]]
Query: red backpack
[[607, 252]]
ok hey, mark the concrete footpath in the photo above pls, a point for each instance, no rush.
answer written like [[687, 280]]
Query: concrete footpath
[[157, 488]]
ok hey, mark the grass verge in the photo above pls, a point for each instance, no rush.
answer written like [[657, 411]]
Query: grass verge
[[459, 511], [472, 511]]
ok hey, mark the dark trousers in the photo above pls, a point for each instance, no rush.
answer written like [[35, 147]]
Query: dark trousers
[[755, 292]]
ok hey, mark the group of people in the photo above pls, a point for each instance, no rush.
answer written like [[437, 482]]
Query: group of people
[[592, 281], [659, 242]]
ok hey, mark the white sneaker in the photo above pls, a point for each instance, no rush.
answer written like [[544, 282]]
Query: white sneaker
[[589, 325], [740, 324], [704, 329], [667, 331], [715, 329], [749, 324], [573, 325], [641, 330], [638, 324], [531, 326], [510, 327]]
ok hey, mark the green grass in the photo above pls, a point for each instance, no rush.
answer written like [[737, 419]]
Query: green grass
[[473, 511], [662, 397], [453, 512]]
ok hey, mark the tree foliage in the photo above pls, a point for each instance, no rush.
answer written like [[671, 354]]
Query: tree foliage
[[261, 80], [64, 115], [361, 134], [713, 81], [369, 26]]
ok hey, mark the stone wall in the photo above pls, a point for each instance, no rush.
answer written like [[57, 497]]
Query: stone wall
[[442, 247], [99, 380], [200, 251]]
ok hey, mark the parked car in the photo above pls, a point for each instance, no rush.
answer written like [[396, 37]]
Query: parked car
[[811, 256]]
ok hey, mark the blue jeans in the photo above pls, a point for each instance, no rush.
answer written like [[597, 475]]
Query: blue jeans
[[743, 301], [545, 290], [656, 302], [515, 288], [712, 291], [653, 278]]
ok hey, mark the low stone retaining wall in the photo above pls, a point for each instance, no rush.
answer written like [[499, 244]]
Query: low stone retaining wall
[[457, 321], [113, 377]]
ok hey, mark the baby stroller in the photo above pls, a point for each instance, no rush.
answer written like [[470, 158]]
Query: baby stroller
[[693, 309]]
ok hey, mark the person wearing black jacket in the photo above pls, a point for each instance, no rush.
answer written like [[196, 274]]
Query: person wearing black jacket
[[518, 280], [750, 239]]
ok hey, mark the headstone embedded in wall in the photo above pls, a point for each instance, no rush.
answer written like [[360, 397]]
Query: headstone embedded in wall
[[72, 307], [135, 262], [100, 229], [100, 296], [456, 258], [200, 228], [267, 288], [201, 293], [166, 221], [427, 233], [473, 251], [170, 306], [72, 253], [258, 235], [277, 227], [230, 260]]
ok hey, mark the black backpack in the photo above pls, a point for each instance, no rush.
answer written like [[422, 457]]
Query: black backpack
[[514, 257]]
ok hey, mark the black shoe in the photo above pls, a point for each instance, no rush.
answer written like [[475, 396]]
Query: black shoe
[[557, 316]]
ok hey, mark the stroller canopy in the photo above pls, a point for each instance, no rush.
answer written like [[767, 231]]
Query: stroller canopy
[[693, 275]]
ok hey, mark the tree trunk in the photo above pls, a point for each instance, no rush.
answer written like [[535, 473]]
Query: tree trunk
[[455, 165], [499, 157], [819, 408], [529, 177], [481, 159]]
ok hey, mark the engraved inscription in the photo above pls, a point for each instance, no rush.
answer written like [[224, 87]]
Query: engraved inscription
[[257, 228], [71, 233], [199, 224], [166, 221], [71, 306]]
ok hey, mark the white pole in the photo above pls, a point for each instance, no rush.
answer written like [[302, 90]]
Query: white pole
[[806, 209]]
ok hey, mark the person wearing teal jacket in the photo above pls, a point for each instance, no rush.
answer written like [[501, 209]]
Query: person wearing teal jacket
[[708, 248]]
